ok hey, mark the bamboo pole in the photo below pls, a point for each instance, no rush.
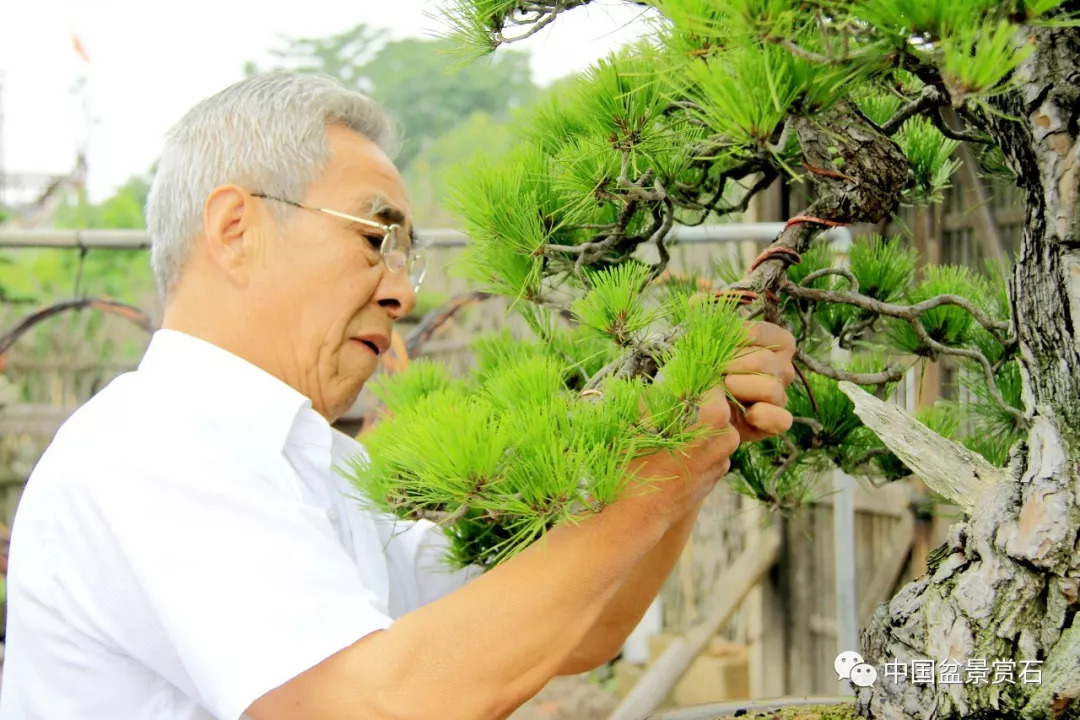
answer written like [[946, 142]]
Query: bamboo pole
[[76, 239], [436, 238]]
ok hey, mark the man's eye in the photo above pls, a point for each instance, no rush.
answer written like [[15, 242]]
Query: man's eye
[[374, 240]]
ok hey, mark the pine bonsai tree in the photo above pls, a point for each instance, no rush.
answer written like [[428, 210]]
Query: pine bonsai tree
[[866, 101]]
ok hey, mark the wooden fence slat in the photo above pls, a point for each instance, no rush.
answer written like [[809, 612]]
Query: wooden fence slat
[[889, 568], [730, 589], [799, 597], [36, 420], [890, 500]]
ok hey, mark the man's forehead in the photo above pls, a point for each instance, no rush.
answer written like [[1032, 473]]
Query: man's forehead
[[360, 173]]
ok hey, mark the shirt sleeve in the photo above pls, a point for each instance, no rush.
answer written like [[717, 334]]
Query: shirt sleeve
[[415, 548], [248, 583], [434, 576], [419, 548]]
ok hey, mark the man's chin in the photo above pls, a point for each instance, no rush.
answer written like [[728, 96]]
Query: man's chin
[[342, 395]]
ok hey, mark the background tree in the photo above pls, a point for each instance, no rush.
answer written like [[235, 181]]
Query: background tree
[[39, 289], [865, 101], [33, 276], [421, 82]]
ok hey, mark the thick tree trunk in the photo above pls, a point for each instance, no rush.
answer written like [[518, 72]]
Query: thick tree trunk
[[1008, 590]]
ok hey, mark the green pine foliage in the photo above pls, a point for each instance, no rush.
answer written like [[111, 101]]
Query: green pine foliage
[[884, 268], [948, 325], [573, 226], [930, 154], [759, 472], [516, 447], [612, 307]]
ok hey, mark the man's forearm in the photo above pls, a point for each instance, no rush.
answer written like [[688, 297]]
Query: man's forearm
[[485, 648], [626, 608], [495, 642]]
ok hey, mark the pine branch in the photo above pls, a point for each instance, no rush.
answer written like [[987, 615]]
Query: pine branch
[[929, 98], [763, 182], [902, 312], [979, 358], [961, 135], [815, 427], [667, 212], [852, 332], [878, 164], [907, 58], [596, 380], [842, 272], [789, 460], [892, 373], [799, 51], [435, 319], [910, 313], [706, 209], [781, 143], [544, 13], [795, 237], [868, 456]]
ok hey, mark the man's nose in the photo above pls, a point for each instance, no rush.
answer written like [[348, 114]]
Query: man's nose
[[396, 294]]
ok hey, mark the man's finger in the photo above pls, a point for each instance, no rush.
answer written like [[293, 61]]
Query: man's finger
[[774, 337], [768, 418], [758, 360], [750, 389], [715, 409]]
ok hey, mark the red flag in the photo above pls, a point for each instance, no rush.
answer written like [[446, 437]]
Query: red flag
[[79, 49]]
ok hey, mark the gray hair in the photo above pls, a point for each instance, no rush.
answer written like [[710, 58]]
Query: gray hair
[[266, 133]]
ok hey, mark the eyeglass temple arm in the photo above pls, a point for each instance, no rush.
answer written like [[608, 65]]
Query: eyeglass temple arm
[[328, 211]]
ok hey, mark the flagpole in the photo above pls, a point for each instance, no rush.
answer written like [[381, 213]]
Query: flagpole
[[82, 91], [3, 164]]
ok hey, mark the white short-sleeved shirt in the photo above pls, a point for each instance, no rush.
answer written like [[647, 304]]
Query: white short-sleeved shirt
[[184, 546]]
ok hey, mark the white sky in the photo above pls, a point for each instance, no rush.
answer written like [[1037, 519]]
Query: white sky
[[151, 60]]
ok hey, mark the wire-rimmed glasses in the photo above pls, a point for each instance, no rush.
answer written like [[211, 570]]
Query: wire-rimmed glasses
[[394, 254]]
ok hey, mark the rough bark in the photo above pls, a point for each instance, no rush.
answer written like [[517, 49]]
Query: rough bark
[[1008, 587]]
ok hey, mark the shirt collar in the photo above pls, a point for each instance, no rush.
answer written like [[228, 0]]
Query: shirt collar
[[233, 391]]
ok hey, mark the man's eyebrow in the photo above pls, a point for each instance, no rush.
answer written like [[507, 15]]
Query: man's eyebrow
[[381, 209]]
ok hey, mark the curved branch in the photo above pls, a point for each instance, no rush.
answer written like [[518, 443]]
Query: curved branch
[[930, 97], [799, 51], [961, 135], [911, 313], [660, 236], [435, 319], [851, 333], [904, 312], [712, 206], [978, 357], [132, 314], [842, 272], [554, 9], [815, 426], [892, 373]]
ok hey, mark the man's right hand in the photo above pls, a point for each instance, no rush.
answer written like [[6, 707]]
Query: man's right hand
[[677, 481]]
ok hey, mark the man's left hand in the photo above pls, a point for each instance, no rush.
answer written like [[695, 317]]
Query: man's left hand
[[758, 381]]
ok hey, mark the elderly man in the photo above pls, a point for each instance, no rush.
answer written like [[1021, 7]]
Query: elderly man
[[184, 549]]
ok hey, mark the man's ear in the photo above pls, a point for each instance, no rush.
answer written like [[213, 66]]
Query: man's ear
[[232, 219]]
